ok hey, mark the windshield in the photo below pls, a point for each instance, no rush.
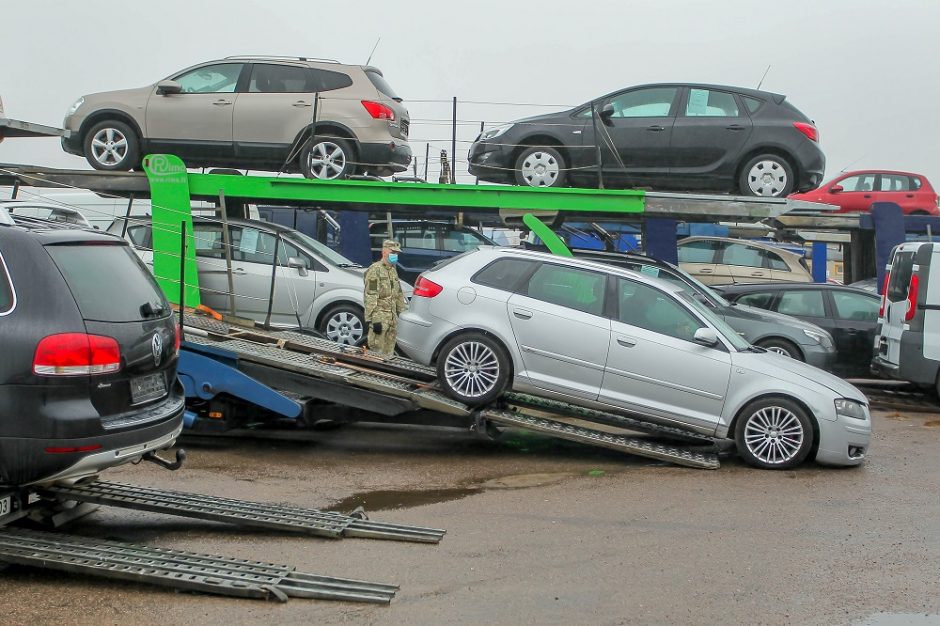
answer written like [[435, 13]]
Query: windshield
[[323, 251], [710, 293], [719, 324]]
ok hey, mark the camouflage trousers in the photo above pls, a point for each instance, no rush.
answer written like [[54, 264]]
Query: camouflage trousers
[[384, 342]]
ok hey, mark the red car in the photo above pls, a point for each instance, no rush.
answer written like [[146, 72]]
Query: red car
[[854, 192]]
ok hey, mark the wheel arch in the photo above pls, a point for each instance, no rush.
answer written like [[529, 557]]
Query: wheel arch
[[328, 129], [469, 330], [334, 303], [777, 150], [541, 139], [111, 114], [814, 421], [796, 345]]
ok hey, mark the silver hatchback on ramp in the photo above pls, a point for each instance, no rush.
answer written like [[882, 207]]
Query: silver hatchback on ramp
[[608, 338]]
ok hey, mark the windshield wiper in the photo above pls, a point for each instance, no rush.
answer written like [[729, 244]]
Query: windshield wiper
[[345, 265]]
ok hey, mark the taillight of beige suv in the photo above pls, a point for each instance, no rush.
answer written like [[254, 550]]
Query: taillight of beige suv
[[251, 113]]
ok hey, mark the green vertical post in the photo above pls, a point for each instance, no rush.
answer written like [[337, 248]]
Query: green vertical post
[[552, 241], [170, 208]]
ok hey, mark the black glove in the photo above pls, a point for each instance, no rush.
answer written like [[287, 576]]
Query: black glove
[[377, 328]]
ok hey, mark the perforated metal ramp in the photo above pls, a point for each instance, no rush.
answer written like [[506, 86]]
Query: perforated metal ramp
[[178, 569], [243, 512]]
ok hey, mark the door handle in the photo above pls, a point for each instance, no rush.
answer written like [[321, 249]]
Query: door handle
[[867, 195], [626, 342], [908, 195], [656, 128], [705, 270], [301, 103], [522, 314], [734, 127], [238, 270], [757, 273], [222, 103]]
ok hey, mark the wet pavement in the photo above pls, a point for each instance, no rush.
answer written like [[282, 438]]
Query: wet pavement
[[540, 532]]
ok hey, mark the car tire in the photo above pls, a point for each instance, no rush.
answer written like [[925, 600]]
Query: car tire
[[111, 146], [344, 324], [473, 368], [767, 175], [540, 167], [774, 433], [782, 346], [328, 158]]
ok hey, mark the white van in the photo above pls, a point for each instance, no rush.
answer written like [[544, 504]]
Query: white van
[[907, 346]]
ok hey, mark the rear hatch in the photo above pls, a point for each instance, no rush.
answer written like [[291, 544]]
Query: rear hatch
[[895, 320], [400, 125], [130, 308]]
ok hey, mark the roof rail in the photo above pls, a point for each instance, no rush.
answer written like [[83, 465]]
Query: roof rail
[[279, 58]]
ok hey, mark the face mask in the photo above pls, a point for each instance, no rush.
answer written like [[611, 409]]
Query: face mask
[[393, 258]]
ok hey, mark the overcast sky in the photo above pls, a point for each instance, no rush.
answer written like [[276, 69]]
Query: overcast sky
[[865, 70]]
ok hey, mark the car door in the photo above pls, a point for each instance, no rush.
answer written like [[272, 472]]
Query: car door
[[640, 129], [856, 195], [806, 304], [855, 320], [276, 105], [709, 134], [697, 257], [558, 322], [895, 188], [742, 263], [199, 119], [653, 366]]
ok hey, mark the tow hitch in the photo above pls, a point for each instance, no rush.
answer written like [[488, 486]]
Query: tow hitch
[[170, 465]]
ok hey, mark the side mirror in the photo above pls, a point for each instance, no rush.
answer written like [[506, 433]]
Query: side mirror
[[836, 189], [607, 112], [298, 264], [705, 336], [168, 87]]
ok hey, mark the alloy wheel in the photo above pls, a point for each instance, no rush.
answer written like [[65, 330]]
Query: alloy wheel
[[472, 369], [327, 160], [767, 178], [774, 435], [109, 147], [540, 169], [779, 350], [345, 328]]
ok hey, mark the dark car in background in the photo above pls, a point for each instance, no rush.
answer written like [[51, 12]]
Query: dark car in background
[[424, 243], [680, 136], [88, 374], [850, 315]]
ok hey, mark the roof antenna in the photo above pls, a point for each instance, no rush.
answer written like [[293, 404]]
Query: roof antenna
[[853, 163], [761, 78], [373, 49]]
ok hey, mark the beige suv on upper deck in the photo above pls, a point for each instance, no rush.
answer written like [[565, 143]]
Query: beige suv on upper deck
[[253, 113]]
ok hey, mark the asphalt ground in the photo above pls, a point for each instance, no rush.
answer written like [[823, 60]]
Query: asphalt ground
[[539, 532]]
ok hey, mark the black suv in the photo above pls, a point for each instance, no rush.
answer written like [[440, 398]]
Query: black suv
[[684, 137], [88, 374]]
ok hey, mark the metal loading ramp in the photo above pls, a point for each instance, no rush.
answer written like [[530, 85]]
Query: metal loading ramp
[[243, 512], [180, 570], [402, 378]]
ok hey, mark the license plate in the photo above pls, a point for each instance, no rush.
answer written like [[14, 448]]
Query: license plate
[[148, 387], [6, 505]]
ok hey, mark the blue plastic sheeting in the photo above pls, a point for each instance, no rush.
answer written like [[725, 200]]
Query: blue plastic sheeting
[[354, 244], [888, 220], [660, 239], [820, 261]]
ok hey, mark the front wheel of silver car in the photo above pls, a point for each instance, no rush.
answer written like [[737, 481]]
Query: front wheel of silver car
[[774, 433], [327, 159], [473, 368], [111, 145], [344, 324]]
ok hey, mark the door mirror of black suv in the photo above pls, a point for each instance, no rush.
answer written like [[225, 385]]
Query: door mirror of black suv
[[167, 87], [836, 189], [299, 264], [607, 112], [705, 336]]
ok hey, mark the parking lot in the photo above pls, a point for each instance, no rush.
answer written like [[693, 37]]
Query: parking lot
[[541, 531]]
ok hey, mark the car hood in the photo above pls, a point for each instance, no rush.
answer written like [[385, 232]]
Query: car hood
[[795, 372], [119, 96], [561, 117], [755, 314]]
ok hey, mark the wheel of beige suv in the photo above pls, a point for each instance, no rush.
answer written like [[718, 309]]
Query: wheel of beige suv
[[540, 167], [473, 368], [328, 159], [112, 145], [773, 433]]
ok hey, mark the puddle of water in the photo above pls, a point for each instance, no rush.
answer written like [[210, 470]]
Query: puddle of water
[[521, 481], [900, 619], [392, 499]]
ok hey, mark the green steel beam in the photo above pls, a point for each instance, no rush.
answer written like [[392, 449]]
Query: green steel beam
[[552, 241]]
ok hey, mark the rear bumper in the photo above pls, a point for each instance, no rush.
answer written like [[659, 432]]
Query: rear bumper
[[911, 365], [812, 165], [387, 158]]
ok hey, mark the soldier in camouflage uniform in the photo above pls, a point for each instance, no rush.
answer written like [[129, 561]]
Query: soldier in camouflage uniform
[[384, 300]]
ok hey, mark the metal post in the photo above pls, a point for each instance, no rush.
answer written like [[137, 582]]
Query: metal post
[[16, 189], [227, 247], [476, 181], [277, 248], [427, 155], [182, 275], [453, 145], [597, 148], [127, 216], [929, 233]]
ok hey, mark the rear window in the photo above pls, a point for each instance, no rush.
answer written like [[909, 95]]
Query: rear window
[[505, 274], [901, 269], [108, 282], [7, 298], [382, 85]]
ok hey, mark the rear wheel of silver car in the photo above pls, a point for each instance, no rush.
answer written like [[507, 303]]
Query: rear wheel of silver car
[[781, 346], [344, 324], [112, 145], [473, 369], [540, 167], [774, 433], [767, 175], [327, 159]]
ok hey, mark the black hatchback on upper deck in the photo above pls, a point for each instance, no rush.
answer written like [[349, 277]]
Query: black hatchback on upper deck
[[675, 136]]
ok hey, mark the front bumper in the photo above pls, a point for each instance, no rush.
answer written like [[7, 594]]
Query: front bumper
[[387, 157], [818, 356], [72, 143], [844, 441], [491, 161]]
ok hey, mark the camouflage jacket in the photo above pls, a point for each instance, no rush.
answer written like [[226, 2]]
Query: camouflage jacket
[[382, 295]]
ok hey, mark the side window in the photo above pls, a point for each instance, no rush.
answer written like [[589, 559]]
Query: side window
[[915, 183], [708, 103], [325, 80], [460, 241], [863, 182], [740, 254], [902, 267], [894, 182], [752, 104], [775, 262], [270, 78], [803, 303], [7, 298], [697, 251], [421, 238], [854, 306], [655, 102], [573, 288], [505, 274], [762, 300], [646, 307], [142, 237], [287, 251], [253, 246], [208, 241], [221, 78]]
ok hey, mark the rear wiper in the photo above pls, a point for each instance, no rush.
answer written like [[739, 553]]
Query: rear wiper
[[147, 309]]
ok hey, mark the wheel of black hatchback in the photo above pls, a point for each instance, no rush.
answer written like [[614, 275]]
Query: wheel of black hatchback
[[473, 368], [541, 167], [773, 433], [781, 346], [112, 145], [328, 158], [768, 175]]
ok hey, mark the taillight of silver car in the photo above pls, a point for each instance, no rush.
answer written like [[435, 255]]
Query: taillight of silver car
[[76, 354], [425, 288]]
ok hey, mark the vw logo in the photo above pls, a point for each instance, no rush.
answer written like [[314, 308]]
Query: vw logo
[[156, 345]]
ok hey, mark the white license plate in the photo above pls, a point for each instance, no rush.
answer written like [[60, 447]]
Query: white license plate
[[146, 388], [6, 505]]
